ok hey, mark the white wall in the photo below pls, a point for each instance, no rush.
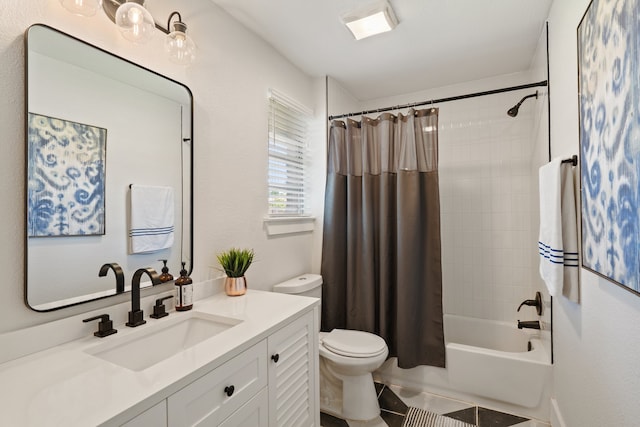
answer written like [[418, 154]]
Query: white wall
[[230, 81], [339, 100], [596, 345]]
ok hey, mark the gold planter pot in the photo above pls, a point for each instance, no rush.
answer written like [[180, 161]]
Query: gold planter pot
[[235, 286]]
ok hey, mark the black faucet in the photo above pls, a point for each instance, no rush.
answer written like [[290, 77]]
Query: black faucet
[[159, 310], [118, 272], [136, 316], [529, 324], [105, 327], [537, 303]]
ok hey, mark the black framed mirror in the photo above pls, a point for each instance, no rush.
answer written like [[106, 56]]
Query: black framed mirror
[[96, 126]]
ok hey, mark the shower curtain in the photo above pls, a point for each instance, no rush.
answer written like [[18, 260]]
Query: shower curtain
[[381, 259]]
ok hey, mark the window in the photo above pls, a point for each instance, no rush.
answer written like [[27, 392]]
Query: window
[[288, 154]]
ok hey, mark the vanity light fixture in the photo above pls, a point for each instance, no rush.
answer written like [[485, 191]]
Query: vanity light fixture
[[134, 21], [82, 7], [370, 21], [136, 24], [178, 44]]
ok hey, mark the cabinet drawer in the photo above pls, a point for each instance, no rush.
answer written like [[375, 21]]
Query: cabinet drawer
[[205, 402], [251, 414]]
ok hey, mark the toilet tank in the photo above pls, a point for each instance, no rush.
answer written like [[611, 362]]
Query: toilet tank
[[308, 285]]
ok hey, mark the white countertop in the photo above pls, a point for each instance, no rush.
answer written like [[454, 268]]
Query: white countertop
[[65, 386]]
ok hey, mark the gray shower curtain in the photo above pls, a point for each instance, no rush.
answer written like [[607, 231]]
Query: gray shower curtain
[[381, 242]]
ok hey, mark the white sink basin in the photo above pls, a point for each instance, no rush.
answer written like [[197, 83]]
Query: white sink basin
[[151, 344]]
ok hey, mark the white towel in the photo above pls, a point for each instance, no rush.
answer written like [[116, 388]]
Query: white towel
[[570, 287], [557, 241], [152, 217], [550, 237]]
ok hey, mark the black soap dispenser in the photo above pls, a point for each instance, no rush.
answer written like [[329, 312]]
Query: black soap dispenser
[[184, 291], [165, 276]]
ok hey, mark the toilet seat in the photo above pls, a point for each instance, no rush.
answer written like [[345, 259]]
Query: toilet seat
[[350, 343]]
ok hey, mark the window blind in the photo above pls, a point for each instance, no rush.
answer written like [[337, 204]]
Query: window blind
[[288, 156]]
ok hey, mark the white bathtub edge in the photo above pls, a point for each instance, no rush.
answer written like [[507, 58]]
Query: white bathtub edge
[[537, 355], [517, 378], [556, 415]]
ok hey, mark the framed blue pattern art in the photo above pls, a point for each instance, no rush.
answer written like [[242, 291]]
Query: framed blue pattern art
[[609, 101], [66, 167]]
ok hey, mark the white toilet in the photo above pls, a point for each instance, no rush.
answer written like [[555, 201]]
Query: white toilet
[[347, 359]]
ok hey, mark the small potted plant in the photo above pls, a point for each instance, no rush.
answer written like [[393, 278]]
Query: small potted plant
[[235, 263]]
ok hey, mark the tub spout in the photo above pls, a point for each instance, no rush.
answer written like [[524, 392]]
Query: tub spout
[[529, 324]]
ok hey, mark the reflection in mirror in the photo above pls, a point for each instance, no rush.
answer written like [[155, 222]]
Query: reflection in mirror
[[109, 178]]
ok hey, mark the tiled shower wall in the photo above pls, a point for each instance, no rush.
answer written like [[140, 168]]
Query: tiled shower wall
[[488, 242]]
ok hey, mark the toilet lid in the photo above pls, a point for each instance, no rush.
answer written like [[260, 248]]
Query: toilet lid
[[353, 343]]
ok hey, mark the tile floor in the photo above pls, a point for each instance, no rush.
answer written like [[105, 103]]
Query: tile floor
[[395, 402]]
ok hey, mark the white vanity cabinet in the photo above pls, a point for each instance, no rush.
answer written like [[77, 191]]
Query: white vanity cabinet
[[254, 413], [271, 384], [259, 370], [215, 396], [154, 416], [293, 375]]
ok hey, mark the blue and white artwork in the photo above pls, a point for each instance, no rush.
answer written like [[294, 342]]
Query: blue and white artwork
[[65, 178], [609, 82]]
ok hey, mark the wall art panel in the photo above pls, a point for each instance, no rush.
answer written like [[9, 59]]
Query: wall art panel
[[66, 167], [609, 81]]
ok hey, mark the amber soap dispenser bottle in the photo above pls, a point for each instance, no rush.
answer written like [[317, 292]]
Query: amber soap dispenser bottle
[[184, 291]]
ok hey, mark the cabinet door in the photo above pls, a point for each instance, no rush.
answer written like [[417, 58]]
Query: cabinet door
[[156, 416], [209, 399], [251, 414], [293, 375]]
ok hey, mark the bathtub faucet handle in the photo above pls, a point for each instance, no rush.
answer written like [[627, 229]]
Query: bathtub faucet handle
[[537, 303]]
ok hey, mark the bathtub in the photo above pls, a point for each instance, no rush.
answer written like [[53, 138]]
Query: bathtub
[[485, 359]]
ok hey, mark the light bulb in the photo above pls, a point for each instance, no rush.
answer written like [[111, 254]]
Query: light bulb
[[82, 7], [179, 46], [135, 16], [135, 22]]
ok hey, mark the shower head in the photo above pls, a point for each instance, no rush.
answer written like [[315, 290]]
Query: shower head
[[513, 111]]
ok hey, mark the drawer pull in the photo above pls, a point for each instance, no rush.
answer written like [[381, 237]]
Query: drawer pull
[[229, 390], [275, 357]]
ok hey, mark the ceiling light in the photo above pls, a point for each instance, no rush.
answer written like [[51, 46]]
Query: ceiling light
[[371, 21]]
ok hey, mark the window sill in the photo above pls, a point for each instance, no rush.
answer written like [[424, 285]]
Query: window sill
[[275, 226]]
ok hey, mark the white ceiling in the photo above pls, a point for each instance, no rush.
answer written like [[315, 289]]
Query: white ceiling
[[436, 43]]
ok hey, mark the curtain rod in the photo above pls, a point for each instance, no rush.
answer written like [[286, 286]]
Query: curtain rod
[[441, 100]]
